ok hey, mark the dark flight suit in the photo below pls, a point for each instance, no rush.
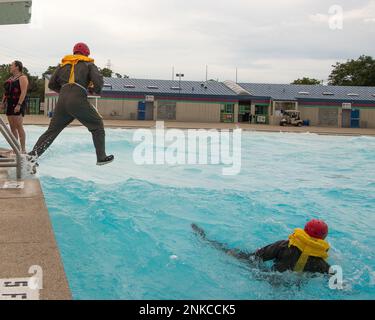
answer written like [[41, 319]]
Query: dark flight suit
[[73, 104], [284, 257]]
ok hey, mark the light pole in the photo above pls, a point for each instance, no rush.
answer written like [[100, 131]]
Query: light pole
[[180, 75]]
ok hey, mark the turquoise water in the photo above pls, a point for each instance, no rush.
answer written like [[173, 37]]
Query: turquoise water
[[124, 230]]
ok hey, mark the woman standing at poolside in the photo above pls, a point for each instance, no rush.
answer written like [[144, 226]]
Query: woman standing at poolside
[[14, 100]]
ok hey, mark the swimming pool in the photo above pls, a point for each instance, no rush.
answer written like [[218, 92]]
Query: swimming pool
[[124, 230]]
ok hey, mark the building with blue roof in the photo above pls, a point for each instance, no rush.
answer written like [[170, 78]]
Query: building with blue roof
[[212, 101]]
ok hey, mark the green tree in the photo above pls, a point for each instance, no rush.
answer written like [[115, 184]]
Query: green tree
[[307, 81], [360, 72], [118, 75], [4, 76], [106, 72], [50, 70]]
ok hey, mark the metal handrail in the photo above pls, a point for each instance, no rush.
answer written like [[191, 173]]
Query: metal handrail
[[10, 162]]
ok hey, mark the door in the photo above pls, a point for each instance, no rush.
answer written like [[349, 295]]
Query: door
[[149, 111], [142, 111], [244, 113], [355, 118], [346, 118]]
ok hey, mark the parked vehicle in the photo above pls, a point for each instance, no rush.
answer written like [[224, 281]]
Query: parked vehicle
[[291, 118]]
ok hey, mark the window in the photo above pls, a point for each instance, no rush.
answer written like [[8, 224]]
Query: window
[[229, 108], [167, 110], [227, 113], [261, 110]]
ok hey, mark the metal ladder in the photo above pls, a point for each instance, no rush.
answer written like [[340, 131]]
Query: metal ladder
[[10, 162]]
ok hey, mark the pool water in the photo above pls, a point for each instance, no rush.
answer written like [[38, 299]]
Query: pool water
[[124, 230]]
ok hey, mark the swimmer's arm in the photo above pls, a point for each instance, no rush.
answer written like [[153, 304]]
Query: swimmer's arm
[[54, 83], [272, 251], [241, 255], [96, 77]]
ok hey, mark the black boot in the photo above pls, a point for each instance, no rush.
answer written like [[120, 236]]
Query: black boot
[[105, 161]]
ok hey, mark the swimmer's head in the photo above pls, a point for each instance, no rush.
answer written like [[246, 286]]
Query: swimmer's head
[[317, 229]]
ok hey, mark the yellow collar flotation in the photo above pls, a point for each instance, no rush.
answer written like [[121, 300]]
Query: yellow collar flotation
[[73, 60], [309, 246]]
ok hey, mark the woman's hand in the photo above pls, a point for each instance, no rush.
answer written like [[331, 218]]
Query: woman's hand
[[17, 109]]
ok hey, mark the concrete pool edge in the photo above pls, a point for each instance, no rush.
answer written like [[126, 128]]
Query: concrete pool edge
[[27, 239]]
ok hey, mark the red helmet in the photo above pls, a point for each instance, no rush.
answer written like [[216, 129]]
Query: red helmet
[[317, 229], [81, 48]]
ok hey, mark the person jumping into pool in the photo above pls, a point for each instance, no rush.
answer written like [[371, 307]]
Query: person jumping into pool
[[305, 251], [73, 79]]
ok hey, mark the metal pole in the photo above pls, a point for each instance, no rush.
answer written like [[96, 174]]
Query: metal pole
[[9, 137], [10, 134], [8, 165], [7, 160], [9, 140]]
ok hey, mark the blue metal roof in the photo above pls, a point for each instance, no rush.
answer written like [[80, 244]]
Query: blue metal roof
[[155, 87], [302, 92], [282, 92]]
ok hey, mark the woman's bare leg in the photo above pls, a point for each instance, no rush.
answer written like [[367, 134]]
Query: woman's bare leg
[[21, 133], [13, 126]]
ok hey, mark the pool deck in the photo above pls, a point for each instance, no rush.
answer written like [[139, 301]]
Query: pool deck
[[27, 239], [44, 121]]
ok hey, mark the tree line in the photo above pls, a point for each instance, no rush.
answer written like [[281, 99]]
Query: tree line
[[359, 72]]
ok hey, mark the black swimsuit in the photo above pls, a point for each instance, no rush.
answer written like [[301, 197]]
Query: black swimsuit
[[12, 97]]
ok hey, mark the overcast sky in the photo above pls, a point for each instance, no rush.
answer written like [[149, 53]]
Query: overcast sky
[[272, 41]]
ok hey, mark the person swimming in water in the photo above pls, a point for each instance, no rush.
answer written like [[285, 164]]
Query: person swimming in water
[[305, 251]]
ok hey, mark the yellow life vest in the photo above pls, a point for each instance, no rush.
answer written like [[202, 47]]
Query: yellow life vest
[[73, 60], [309, 246]]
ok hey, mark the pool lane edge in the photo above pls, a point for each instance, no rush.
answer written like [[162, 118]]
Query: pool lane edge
[[27, 239]]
